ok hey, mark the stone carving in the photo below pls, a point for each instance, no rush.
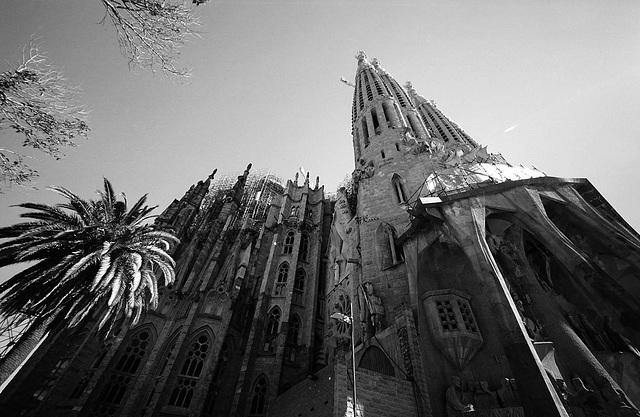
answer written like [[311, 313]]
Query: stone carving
[[363, 173], [403, 341], [476, 398], [506, 394], [483, 397], [454, 394], [374, 310], [453, 325], [338, 332], [586, 398]]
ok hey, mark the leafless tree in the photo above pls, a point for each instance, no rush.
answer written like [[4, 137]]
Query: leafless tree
[[37, 102], [151, 32]]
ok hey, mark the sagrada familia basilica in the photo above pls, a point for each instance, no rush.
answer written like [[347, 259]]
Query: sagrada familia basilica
[[440, 281]]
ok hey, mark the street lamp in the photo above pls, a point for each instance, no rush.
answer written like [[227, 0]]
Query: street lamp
[[349, 320]]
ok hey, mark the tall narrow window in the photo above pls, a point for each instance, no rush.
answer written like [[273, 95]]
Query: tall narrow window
[[291, 347], [382, 154], [398, 188], [413, 123], [376, 123], [122, 375], [397, 147], [294, 330], [271, 333], [288, 242], [388, 252], [281, 283], [388, 114], [190, 373], [258, 400], [365, 132], [298, 286], [304, 247], [368, 86]]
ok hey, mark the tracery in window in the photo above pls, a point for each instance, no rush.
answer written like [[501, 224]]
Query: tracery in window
[[259, 395], [189, 374], [294, 329], [123, 373], [293, 334], [304, 247], [298, 286], [288, 242], [281, 283], [271, 332]]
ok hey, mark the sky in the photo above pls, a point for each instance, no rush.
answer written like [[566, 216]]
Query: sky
[[553, 84]]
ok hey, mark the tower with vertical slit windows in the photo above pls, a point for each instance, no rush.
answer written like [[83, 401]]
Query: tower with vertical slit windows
[[440, 280]]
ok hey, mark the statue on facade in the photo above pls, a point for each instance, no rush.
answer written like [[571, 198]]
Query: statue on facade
[[454, 393], [376, 309]]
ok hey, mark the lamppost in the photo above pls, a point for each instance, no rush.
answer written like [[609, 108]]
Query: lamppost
[[349, 320]]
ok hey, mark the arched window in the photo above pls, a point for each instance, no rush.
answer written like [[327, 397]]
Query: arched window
[[123, 373], [298, 286], [304, 247], [398, 188], [308, 213], [258, 400], [389, 114], [376, 124], [293, 335], [365, 132], [190, 373], [294, 329], [375, 360], [271, 334], [294, 211], [389, 254], [281, 283], [288, 242]]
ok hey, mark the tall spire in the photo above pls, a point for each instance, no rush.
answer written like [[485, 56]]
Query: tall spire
[[382, 111], [439, 125]]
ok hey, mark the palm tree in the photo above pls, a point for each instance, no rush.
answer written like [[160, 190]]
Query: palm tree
[[92, 257]]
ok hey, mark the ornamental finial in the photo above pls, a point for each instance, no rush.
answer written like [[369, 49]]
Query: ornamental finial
[[409, 86]]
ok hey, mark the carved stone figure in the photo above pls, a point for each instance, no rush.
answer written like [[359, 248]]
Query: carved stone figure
[[455, 407], [506, 396], [484, 398], [376, 309], [589, 401]]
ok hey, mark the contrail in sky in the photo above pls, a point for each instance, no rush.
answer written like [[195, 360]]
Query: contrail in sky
[[511, 128]]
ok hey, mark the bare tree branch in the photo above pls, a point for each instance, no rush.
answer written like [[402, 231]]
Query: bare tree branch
[[36, 101], [151, 32]]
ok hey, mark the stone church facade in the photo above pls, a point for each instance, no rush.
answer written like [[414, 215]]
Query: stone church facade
[[447, 281]]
